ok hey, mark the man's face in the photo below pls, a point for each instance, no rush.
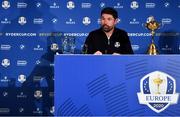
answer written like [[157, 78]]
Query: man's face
[[108, 22]]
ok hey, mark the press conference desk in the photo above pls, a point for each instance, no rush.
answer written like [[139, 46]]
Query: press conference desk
[[92, 85]]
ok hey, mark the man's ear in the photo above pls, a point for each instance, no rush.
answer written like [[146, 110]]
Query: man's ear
[[116, 20]]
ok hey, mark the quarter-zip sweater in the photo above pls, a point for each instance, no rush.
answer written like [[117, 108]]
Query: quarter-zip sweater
[[118, 43]]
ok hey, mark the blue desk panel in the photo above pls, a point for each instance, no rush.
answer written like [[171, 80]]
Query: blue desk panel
[[88, 85]]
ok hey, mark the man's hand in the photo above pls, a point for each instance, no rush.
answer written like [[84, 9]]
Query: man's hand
[[115, 54], [98, 53]]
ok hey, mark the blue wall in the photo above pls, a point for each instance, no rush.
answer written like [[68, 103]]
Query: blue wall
[[27, 45]]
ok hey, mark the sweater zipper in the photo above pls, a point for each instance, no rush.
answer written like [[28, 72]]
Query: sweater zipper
[[108, 42]]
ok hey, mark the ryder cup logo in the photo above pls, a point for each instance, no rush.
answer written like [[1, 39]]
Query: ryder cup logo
[[70, 5], [158, 91], [134, 5], [22, 20], [54, 47], [86, 21], [5, 4], [21, 78], [5, 62], [117, 44]]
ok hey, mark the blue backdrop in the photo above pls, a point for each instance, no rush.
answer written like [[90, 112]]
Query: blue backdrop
[[28, 28]]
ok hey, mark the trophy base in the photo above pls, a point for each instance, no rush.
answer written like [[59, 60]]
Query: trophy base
[[158, 93], [152, 49]]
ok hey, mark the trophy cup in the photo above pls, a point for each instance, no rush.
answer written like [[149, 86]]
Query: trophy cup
[[152, 25], [158, 81]]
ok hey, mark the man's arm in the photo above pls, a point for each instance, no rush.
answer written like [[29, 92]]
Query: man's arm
[[127, 49], [88, 45]]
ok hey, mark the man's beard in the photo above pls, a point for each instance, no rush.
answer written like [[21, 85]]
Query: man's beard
[[106, 28]]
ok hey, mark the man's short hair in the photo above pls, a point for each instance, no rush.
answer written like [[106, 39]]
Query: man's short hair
[[111, 11]]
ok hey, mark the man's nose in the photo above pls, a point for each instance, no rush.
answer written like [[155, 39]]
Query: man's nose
[[105, 21]]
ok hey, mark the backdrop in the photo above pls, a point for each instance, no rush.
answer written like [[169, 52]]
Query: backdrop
[[32, 31]]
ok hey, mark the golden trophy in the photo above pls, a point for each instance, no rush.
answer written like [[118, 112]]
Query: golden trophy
[[152, 25], [158, 81]]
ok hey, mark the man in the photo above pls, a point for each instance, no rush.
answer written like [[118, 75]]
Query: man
[[108, 39]]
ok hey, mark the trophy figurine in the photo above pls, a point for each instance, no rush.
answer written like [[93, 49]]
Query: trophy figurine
[[158, 81], [152, 25]]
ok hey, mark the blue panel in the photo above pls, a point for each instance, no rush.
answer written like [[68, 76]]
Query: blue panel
[[108, 85]]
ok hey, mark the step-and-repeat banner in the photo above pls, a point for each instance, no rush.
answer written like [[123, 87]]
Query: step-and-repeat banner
[[33, 31]]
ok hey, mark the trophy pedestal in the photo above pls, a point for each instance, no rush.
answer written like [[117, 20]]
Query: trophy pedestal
[[152, 49]]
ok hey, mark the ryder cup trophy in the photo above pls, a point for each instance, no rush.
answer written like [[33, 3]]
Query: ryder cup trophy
[[158, 81], [152, 25]]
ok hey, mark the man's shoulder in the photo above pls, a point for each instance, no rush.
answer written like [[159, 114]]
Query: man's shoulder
[[96, 31], [120, 30]]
